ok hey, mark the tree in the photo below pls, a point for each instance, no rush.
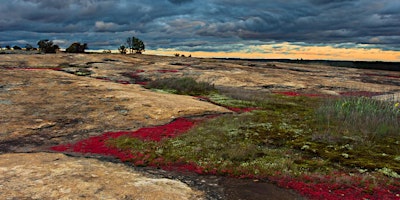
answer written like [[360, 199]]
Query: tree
[[135, 44], [122, 49], [129, 44], [16, 47], [47, 46], [138, 45], [77, 47], [8, 47]]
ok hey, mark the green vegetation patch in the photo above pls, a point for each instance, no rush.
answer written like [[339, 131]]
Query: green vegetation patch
[[256, 143], [358, 132], [289, 135], [185, 86]]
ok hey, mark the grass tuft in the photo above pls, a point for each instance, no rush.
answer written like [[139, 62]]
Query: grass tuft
[[184, 86]]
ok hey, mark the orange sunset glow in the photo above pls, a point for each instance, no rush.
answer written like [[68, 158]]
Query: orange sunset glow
[[288, 51]]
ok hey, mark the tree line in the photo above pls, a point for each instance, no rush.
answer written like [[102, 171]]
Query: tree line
[[133, 44]]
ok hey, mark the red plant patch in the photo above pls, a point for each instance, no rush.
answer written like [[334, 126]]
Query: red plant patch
[[295, 94], [97, 145], [241, 110], [326, 187], [182, 167], [292, 94]]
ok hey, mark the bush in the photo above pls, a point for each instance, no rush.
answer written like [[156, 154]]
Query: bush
[[186, 86], [17, 48], [28, 47], [76, 47], [122, 49]]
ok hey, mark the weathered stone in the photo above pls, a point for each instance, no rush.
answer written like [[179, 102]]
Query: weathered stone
[[56, 176]]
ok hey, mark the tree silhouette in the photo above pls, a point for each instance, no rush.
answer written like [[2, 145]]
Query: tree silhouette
[[47, 46], [138, 45], [129, 44], [16, 47], [135, 44], [122, 49]]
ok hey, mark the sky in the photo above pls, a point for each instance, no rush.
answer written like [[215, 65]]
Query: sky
[[295, 29]]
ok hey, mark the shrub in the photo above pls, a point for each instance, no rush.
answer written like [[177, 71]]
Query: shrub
[[122, 49], [17, 47], [186, 86], [28, 47], [77, 47]]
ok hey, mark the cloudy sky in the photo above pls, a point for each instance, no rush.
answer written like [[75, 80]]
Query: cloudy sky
[[309, 29]]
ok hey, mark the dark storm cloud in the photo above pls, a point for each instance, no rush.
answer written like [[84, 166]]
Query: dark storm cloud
[[210, 25], [180, 1]]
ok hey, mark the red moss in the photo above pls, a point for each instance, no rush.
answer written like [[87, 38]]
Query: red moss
[[295, 94], [97, 145], [183, 167], [241, 110], [327, 188], [292, 94]]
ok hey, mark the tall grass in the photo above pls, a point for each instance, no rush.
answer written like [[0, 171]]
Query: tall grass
[[360, 117]]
